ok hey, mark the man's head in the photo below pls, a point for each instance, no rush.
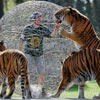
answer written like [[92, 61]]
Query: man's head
[[36, 18]]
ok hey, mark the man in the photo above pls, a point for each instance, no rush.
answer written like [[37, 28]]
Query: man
[[33, 36]]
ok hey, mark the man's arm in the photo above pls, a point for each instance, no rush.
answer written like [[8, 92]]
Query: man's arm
[[50, 34], [22, 39], [54, 33], [21, 43]]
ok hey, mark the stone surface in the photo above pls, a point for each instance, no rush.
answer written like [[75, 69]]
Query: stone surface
[[55, 49]]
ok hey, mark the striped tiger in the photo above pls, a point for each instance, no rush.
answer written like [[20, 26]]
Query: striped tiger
[[78, 68], [77, 27], [13, 63]]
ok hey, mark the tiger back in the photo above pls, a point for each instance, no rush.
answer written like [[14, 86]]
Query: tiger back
[[80, 67], [13, 63]]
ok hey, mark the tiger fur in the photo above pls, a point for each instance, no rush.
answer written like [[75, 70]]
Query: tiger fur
[[13, 63]]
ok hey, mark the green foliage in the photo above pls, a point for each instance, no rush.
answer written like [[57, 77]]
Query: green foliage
[[8, 4]]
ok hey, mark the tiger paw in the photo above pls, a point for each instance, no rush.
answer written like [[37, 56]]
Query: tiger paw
[[63, 33], [52, 96], [81, 97], [96, 97], [6, 97], [1, 96]]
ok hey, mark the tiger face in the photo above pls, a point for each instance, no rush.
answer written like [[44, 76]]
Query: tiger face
[[67, 15], [69, 18]]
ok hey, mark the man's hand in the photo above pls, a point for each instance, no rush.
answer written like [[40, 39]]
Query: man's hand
[[57, 27], [54, 33], [21, 43]]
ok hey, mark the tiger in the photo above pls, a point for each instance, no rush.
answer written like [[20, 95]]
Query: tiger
[[13, 63], [78, 28], [79, 67]]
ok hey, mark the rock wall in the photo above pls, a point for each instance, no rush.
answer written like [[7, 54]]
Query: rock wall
[[55, 49]]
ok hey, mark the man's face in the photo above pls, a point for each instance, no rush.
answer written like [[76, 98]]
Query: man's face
[[37, 21]]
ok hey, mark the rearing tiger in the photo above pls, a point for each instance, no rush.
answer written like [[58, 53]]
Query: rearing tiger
[[78, 28], [12, 64], [80, 67]]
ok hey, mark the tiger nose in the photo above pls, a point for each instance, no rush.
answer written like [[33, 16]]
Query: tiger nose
[[57, 16]]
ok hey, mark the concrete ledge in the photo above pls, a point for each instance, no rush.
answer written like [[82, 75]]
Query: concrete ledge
[[53, 99]]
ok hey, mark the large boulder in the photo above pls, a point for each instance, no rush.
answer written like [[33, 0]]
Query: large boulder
[[55, 49]]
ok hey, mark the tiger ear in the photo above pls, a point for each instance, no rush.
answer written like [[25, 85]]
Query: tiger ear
[[2, 42], [69, 8], [61, 62]]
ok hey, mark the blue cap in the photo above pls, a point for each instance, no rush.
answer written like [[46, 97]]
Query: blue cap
[[35, 15]]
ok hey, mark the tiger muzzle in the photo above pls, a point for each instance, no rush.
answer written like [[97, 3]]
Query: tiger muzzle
[[58, 20]]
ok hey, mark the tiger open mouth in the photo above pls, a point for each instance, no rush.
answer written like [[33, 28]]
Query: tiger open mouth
[[58, 21]]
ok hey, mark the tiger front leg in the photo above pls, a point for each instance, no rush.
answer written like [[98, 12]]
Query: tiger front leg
[[65, 83], [67, 35], [81, 91], [96, 97]]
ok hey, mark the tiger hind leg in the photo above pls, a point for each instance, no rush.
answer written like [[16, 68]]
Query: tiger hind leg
[[81, 91], [98, 82], [11, 83], [3, 91], [96, 97], [65, 82]]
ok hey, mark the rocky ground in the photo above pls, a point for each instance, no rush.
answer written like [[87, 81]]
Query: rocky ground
[[55, 49]]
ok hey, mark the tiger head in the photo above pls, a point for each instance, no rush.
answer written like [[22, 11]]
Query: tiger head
[[2, 46], [68, 16]]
